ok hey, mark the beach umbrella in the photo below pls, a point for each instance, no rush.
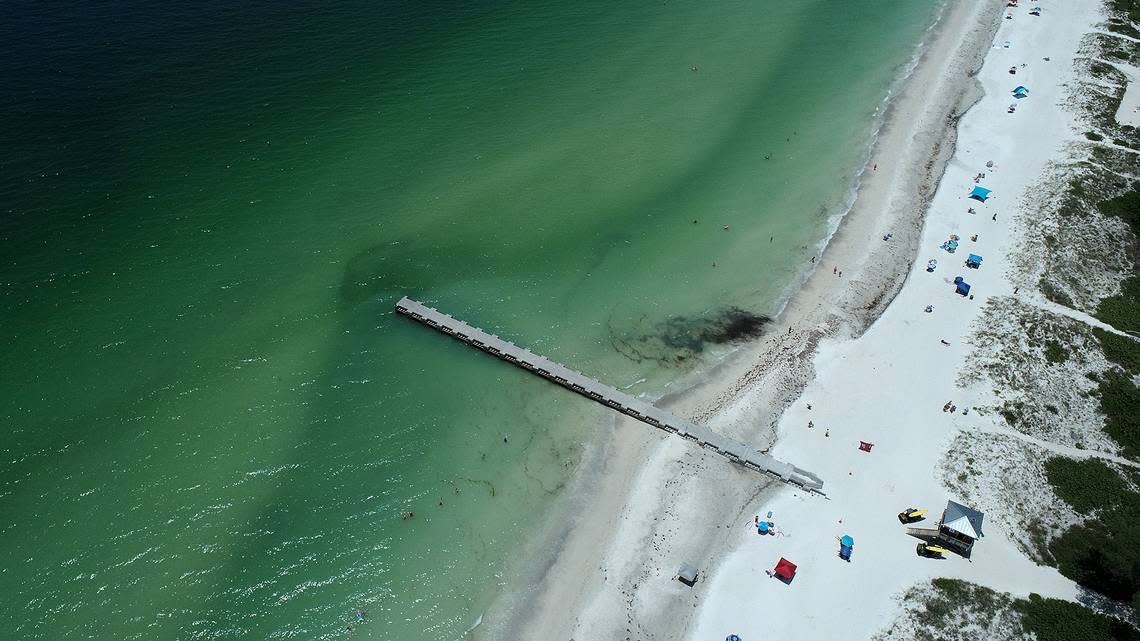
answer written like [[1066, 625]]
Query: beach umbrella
[[847, 540], [732, 637], [785, 569]]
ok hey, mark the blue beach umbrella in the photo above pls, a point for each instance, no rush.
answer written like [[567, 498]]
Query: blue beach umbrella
[[847, 541], [732, 637]]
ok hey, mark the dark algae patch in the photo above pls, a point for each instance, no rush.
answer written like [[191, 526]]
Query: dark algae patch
[[679, 338]]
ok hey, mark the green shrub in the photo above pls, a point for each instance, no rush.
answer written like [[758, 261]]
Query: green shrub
[[1086, 485], [1121, 350], [1100, 68], [1120, 403], [1055, 294], [1123, 310], [1092, 135], [1125, 206], [1055, 352], [1101, 553], [1057, 620]]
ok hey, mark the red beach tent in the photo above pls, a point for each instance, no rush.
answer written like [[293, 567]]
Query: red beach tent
[[785, 569], [865, 446]]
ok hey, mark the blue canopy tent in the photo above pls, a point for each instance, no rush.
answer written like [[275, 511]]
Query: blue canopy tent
[[973, 261], [962, 287], [980, 193], [845, 545], [1020, 92]]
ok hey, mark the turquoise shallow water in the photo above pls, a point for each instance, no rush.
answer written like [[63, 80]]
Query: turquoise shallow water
[[212, 419]]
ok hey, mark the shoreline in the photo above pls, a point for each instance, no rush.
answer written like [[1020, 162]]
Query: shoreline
[[886, 386], [650, 502]]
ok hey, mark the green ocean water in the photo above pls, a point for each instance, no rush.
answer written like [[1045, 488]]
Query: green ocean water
[[212, 421]]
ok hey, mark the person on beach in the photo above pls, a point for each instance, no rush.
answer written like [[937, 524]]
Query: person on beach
[[945, 342], [810, 425], [994, 218], [946, 407], [841, 273], [834, 270]]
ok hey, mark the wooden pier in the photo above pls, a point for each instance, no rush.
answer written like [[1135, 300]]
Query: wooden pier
[[734, 451]]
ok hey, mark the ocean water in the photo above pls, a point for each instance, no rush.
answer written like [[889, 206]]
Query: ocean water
[[212, 421]]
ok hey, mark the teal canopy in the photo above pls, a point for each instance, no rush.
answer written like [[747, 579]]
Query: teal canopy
[[980, 193]]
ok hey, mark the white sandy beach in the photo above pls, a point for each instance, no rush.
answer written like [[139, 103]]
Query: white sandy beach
[[863, 353], [889, 386]]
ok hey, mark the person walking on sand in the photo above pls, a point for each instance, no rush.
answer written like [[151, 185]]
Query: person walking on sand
[[834, 270], [810, 425], [994, 218]]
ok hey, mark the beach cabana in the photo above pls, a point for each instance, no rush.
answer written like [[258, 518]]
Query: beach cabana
[[960, 527], [1020, 91], [980, 193], [687, 574], [865, 446], [973, 261], [785, 570], [961, 286], [846, 544]]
